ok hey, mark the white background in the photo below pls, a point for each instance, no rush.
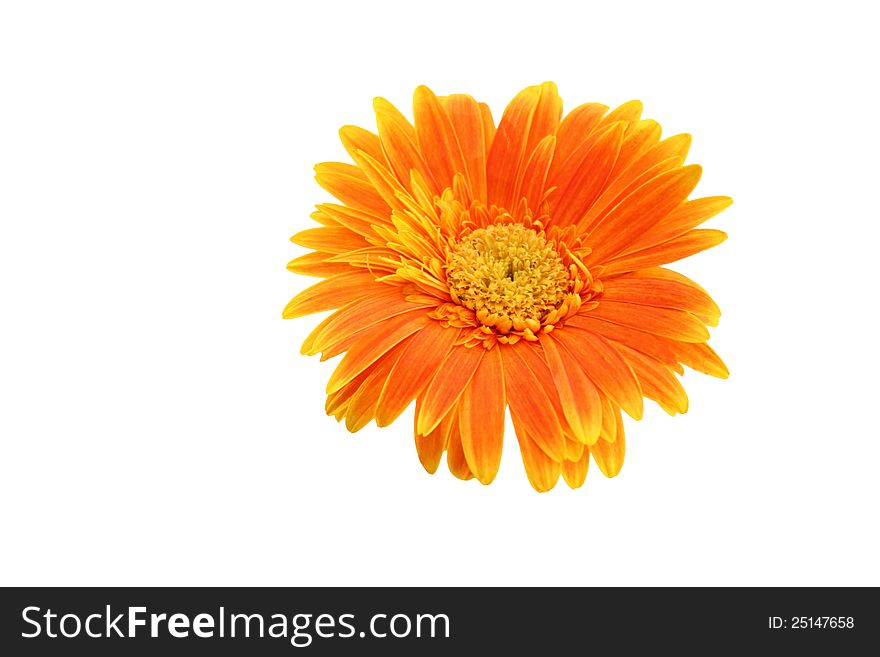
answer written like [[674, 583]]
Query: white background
[[159, 425]]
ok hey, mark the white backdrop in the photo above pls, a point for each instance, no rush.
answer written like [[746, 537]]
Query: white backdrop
[[159, 425]]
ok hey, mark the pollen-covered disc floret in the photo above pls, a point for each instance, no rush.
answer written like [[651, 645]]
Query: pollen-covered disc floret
[[507, 273]]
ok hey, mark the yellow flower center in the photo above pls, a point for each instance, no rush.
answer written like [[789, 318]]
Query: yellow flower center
[[507, 273]]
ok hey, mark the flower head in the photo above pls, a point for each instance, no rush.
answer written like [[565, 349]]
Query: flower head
[[474, 268]]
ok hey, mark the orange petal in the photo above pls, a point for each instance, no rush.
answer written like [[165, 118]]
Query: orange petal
[[362, 407], [579, 397], [330, 240], [533, 182], [662, 291], [648, 343], [573, 449], [509, 147], [382, 179], [666, 322], [374, 344], [640, 136], [605, 367], [542, 471], [348, 183], [324, 219], [581, 185], [424, 352], [610, 414], [430, 447], [383, 302], [316, 264], [675, 145], [489, 131], [337, 403], [702, 358], [455, 458], [574, 129], [614, 193], [449, 382], [467, 121], [657, 381], [481, 417], [688, 215], [527, 382], [609, 455], [437, 138], [331, 293], [357, 139], [675, 249], [532, 115], [356, 221], [575, 472], [548, 112], [664, 156], [630, 111], [640, 210], [400, 144]]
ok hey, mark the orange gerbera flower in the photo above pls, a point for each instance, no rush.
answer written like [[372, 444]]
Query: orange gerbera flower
[[476, 268]]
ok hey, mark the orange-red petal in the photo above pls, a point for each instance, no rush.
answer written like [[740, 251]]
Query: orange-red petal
[[333, 292], [532, 115], [574, 128], [467, 120], [481, 417], [605, 367], [666, 322], [357, 139], [450, 380], [533, 183], [609, 455], [577, 394], [581, 185], [430, 446], [702, 358], [575, 472], [528, 386], [382, 302], [677, 248], [455, 457], [365, 351], [423, 354], [437, 138], [660, 288], [543, 472], [317, 264], [362, 407], [657, 381], [330, 239], [349, 184], [640, 210], [400, 144]]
